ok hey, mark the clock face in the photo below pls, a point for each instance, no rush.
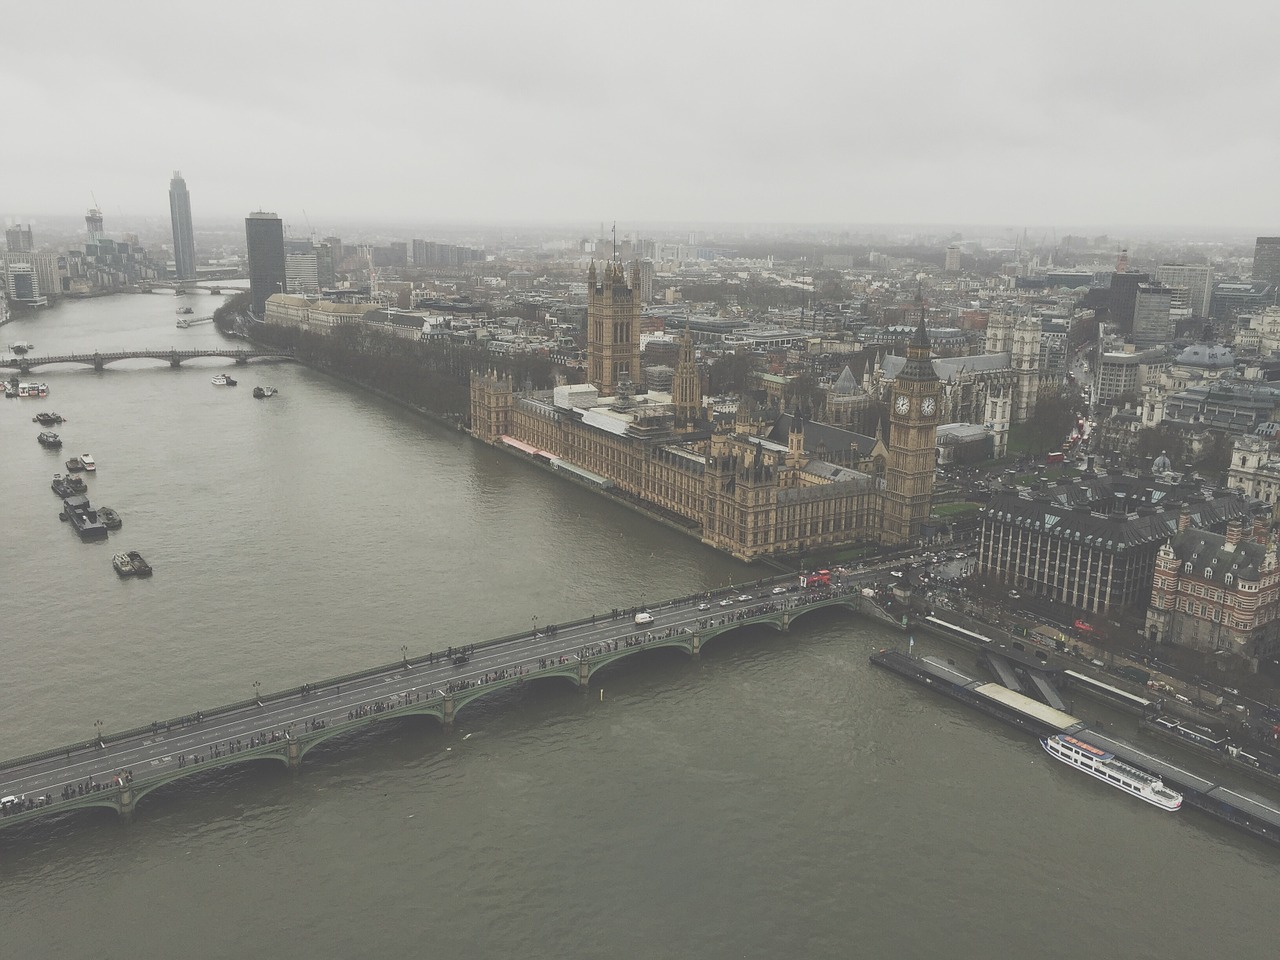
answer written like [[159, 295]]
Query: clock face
[[903, 405], [927, 407]]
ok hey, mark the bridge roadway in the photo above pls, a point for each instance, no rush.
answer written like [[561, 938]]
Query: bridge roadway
[[174, 358], [116, 770]]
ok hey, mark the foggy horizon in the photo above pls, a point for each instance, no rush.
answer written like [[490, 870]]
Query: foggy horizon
[[980, 117]]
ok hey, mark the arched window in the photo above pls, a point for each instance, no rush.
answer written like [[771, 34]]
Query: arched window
[[1186, 567]]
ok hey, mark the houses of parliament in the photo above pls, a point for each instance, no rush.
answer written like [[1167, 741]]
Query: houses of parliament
[[754, 486]]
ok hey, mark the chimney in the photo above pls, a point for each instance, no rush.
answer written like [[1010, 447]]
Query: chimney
[[1235, 533], [1260, 527], [1184, 518]]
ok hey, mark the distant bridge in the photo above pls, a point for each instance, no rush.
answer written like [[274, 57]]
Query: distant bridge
[[175, 358]]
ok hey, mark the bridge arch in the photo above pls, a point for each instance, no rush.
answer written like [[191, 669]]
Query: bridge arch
[[434, 710]]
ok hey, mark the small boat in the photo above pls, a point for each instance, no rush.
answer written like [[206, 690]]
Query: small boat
[[49, 439], [88, 462], [110, 519], [75, 464], [140, 567], [68, 486], [46, 419], [185, 310], [20, 347], [33, 389], [263, 392], [222, 380], [123, 565]]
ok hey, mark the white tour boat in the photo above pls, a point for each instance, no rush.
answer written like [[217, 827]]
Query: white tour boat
[[88, 462], [1103, 765]]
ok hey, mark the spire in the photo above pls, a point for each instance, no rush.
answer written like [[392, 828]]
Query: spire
[[920, 338]]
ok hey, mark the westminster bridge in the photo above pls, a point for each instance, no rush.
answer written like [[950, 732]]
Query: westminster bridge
[[116, 770], [175, 358]]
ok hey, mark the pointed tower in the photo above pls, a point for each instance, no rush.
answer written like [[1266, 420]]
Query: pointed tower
[[686, 387], [613, 327], [913, 432], [795, 440]]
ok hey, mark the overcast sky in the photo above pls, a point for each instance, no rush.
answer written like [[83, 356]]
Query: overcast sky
[[983, 112]]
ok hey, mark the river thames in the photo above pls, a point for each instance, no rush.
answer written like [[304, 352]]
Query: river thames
[[777, 797]]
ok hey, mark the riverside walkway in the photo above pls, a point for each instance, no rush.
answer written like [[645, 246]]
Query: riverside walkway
[[174, 358], [116, 770]]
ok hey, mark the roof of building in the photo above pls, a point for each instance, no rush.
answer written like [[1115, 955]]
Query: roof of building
[[1114, 511], [831, 437], [1210, 355], [846, 384], [1210, 552], [949, 368]]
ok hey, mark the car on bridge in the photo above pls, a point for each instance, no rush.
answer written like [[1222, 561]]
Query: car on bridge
[[643, 617], [704, 606], [779, 589], [727, 602], [745, 598]]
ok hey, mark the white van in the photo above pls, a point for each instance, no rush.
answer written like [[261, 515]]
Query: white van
[[644, 618]]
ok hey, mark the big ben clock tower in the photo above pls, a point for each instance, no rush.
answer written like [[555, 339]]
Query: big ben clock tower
[[913, 432]]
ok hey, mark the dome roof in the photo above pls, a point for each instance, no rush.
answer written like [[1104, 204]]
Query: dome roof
[[1206, 355], [1162, 463]]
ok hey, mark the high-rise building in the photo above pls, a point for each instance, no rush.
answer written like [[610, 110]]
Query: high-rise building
[[1124, 294], [264, 236], [1196, 279], [184, 241], [18, 238], [1152, 324], [613, 327], [952, 262], [93, 225], [302, 274], [1266, 260]]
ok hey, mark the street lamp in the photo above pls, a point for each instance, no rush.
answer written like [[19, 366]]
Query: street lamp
[[535, 626], [97, 727], [404, 653], [257, 692]]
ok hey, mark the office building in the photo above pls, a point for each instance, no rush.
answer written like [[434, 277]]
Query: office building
[[1233, 297], [93, 225], [264, 236], [302, 274], [1266, 261], [1192, 282], [1091, 542], [1152, 317], [1124, 295], [18, 239], [184, 241], [952, 262]]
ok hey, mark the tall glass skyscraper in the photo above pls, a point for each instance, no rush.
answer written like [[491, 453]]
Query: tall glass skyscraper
[[184, 241], [264, 235]]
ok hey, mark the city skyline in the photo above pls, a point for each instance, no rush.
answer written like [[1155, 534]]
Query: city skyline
[[978, 114]]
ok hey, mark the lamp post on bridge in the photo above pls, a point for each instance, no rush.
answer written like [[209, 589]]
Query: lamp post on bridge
[[257, 692], [535, 626], [404, 655], [97, 730]]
